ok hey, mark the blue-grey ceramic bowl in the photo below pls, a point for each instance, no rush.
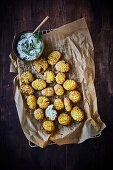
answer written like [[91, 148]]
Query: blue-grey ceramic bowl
[[14, 45]]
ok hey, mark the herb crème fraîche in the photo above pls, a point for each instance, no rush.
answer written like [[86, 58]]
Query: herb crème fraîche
[[44, 110], [29, 46]]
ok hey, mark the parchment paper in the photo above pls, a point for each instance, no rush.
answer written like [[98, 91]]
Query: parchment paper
[[74, 42]]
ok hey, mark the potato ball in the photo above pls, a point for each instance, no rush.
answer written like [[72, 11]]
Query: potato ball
[[68, 104], [58, 104], [40, 65], [51, 113], [70, 85], [31, 101], [38, 84], [49, 91], [49, 76], [59, 89], [64, 119], [39, 114], [60, 78], [75, 96], [62, 66], [26, 77], [43, 102], [48, 126], [77, 114], [54, 57], [27, 89]]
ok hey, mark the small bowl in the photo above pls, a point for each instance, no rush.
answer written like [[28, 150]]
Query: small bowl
[[14, 45]]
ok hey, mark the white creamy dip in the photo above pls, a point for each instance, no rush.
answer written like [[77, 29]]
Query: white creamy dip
[[29, 47], [50, 113]]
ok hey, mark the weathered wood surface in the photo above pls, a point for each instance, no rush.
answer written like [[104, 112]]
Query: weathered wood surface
[[93, 154]]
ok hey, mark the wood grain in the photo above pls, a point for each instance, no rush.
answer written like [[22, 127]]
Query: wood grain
[[16, 16]]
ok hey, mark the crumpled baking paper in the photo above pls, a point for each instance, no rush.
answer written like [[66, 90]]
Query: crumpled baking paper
[[74, 42]]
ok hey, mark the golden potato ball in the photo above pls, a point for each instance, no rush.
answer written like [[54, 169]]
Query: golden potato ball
[[64, 119], [48, 126], [49, 76], [77, 114], [68, 104], [43, 102], [59, 89], [70, 85], [54, 57], [39, 114], [38, 84], [40, 65], [49, 91], [62, 66], [26, 77], [60, 78], [75, 96], [26, 89], [58, 104], [32, 101]]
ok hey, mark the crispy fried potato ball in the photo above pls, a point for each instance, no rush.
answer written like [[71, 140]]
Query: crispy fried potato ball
[[51, 113], [54, 57], [64, 119], [40, 65], [49, 91], [70, 85], [58, 104], [49, 76], [59, 89], [62, 66], [75, 96], [26, 77], [68, 104], [31, 101], [39, 114], [43, 102], [26, 89], [38, 84], [60, 78], [77, 114], [48, 126]]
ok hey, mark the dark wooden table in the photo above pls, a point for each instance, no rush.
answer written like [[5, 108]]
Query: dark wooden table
[[93, 154]]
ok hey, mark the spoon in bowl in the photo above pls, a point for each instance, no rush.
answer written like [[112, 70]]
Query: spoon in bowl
[[39, 26]]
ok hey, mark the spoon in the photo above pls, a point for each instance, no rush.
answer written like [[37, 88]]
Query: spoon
[[39, 26]]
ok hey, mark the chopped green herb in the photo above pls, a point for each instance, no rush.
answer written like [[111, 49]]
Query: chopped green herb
[[37, 35]]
